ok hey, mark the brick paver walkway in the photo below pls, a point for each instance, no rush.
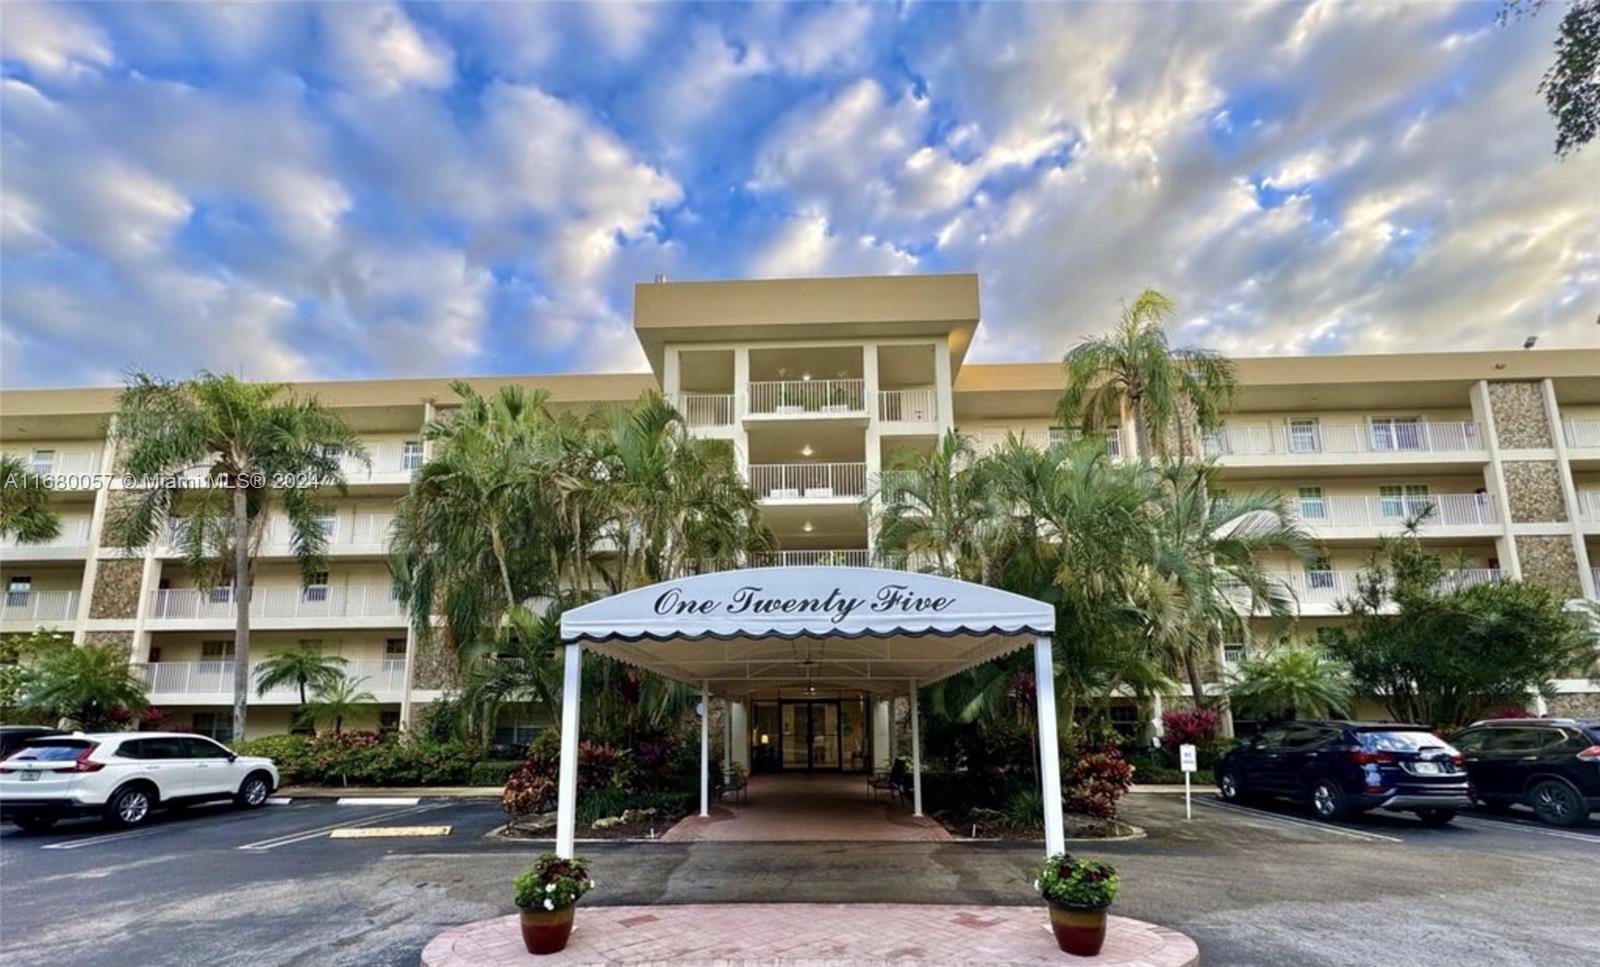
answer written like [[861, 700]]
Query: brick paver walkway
[[816, 807], [809, 935]]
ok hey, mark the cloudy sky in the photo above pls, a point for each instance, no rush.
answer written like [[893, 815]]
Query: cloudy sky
[[348, 189]]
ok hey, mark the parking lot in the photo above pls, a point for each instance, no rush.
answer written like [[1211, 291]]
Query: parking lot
[[1254, 886]]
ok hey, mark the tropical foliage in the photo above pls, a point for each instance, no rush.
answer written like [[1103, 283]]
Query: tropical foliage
[[337, 700], [304, 667], [1072, 882], [25, 511], [1291, 682], [551, 883], [258, 448], [89, 685], [17, 651]]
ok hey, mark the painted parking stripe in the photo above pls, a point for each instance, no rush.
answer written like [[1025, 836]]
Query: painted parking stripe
[[379, 832], [107, 838], [378, 801], [1489, 824], [305, 834], [1360, 834], [279, 800]]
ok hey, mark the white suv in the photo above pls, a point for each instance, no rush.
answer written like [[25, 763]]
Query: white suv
[[122, 776]]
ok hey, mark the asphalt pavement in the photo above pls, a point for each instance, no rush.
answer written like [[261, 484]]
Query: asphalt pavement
[[1254, 886]]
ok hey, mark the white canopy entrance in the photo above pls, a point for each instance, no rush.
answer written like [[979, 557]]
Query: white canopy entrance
[[740, 634]]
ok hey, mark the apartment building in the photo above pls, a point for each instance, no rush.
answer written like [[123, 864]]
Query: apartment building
[[821, 384]]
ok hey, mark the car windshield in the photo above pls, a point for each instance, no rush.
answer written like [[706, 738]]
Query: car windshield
[[1401, 741], [53, 751]]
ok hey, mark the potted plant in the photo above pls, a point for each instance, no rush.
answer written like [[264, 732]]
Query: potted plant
[[1078, 891], [545, 892]]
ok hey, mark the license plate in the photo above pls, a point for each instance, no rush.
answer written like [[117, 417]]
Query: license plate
[[1428, 769], [30, 776]]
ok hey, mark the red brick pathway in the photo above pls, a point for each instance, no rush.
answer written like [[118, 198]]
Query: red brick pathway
[[809, 935], [819, 807]]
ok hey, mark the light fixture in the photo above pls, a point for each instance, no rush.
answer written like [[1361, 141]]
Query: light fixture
[[806, 450], [807, 527], [806, 377], [766, 739]]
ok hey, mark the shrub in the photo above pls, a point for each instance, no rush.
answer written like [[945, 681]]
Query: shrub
[[1188, 726], [602, 766], [367, 758], [288, 751], [1025, 808], [1094, 779], [552, 883], [494, 772], [1071, 882]]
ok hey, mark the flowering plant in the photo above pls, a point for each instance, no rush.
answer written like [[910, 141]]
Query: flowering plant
[[1072, 882], [552, 883]]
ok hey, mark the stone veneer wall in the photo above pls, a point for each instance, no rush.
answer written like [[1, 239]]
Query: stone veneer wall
[[1520, 422], [120, 640], [116, 589], [1533, 489], [1549, 560], [1579, 705], [435, 665]]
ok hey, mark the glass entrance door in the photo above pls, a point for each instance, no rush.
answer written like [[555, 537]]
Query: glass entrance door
[[811, 738]]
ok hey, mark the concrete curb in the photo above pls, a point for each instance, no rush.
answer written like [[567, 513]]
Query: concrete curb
[[424, 792]]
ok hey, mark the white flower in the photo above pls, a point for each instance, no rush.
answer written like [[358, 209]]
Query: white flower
[[549, 904], [1036, 884], [549, 888]]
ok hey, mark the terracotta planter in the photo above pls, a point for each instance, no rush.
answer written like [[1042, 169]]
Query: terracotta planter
[[546, 931], [1079, 930]]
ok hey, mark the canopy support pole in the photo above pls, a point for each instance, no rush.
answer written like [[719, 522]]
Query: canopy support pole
[[567, 777], [705, 748], [916, 755], [1044, 683]]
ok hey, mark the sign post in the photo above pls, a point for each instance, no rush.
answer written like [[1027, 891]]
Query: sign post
[[1186, 762]]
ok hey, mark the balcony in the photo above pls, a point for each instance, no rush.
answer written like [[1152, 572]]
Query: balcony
[[1319, 592], [65, 469], [360, 534], [1589, 506], [808, 481], [853, 557], [391, 462], [26, 610], [72, 542], [705, 409], [1461, 512], [908, 405], [337, 606], [1582, 434], [211, 682], [807, 397], [1309, 440]]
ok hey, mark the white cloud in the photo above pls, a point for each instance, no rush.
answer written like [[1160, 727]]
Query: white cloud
[[376, 48], [806, 245], [53, 40]]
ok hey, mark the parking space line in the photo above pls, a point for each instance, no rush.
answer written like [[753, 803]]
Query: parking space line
[[1360, 834], [287, 839], [1475, 823], [106, 838]]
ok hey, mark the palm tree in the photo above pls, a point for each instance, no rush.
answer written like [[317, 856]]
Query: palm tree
[[1161, 387], [1208, 561], [302, 667], [1292, 682], [25, 511], [88, 684], [524, 667], [338, 700], [937, 509], [258, 449]]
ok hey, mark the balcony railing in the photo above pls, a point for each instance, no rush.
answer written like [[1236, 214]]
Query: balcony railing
[[807, 481], [793, 397], [361, 601], [56, 463], [1582, 433], [1316, 438], [706, 409], [74, 533], [1330, 587], [388, 460], [1589, 505], [39, 605], [216, 678], [854, 557], [908, 405], [1436, 510], [369, 532]]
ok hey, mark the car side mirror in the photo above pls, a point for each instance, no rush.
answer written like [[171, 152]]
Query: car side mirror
[[233, 757]]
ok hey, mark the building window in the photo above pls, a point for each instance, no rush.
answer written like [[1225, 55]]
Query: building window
[[44, 462], [394, 649], [333, 451], [388, 721], [328, 523], [1125, 719], [17, 590], [1305, 436], [316, 589], [1313, 506], [1320, 576], [221, 594], [1325, 635], [411, 455], [220, 649], [1403, 500], [1234, 653], [213, 725], [1397, 433]]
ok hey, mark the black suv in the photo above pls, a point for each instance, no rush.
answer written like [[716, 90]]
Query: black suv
[[1342, 768], [1552, 765]]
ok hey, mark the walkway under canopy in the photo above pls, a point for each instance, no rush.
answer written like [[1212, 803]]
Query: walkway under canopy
[[808, 807]]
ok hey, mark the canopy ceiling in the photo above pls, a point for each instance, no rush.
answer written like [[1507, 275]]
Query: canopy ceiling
[[761, 630]]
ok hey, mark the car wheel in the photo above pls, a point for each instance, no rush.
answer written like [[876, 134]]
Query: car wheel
[[1327, 800], [129, 806], [1558, 804], [1436, 817], [35, 824], [1229, 787], [253, 791]]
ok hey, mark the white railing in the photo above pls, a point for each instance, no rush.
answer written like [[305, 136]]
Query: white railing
[[388, 460], [74, 533], [1441, 510], [60, 462], [796, 396], [807, 481], [1316, 438], [360, 601], [216, 677], [1330, 587], [1589, 505], [39, 605], [1458, 578], [369, 532], [1582, 433], [908, 405], [706, 409], [856, 557]]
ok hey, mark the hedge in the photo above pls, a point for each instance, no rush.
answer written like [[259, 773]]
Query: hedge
[[371, 759]]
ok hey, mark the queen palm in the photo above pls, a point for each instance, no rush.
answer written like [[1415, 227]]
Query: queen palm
[[259, 449], [338, 700], [1134, 366], [1292, 681], [88, 684], [303, 667], [937, 508], [25, 511]]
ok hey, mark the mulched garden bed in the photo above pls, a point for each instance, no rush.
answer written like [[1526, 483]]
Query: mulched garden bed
[[633, 824], [991, 824]]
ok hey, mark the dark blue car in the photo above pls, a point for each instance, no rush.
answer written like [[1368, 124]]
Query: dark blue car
[[1343, 768]]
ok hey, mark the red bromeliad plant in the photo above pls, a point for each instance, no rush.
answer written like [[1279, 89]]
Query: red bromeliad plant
[[1094, 779], [1188, 726]]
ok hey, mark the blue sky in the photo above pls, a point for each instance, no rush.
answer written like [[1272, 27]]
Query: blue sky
[[340, 190]]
